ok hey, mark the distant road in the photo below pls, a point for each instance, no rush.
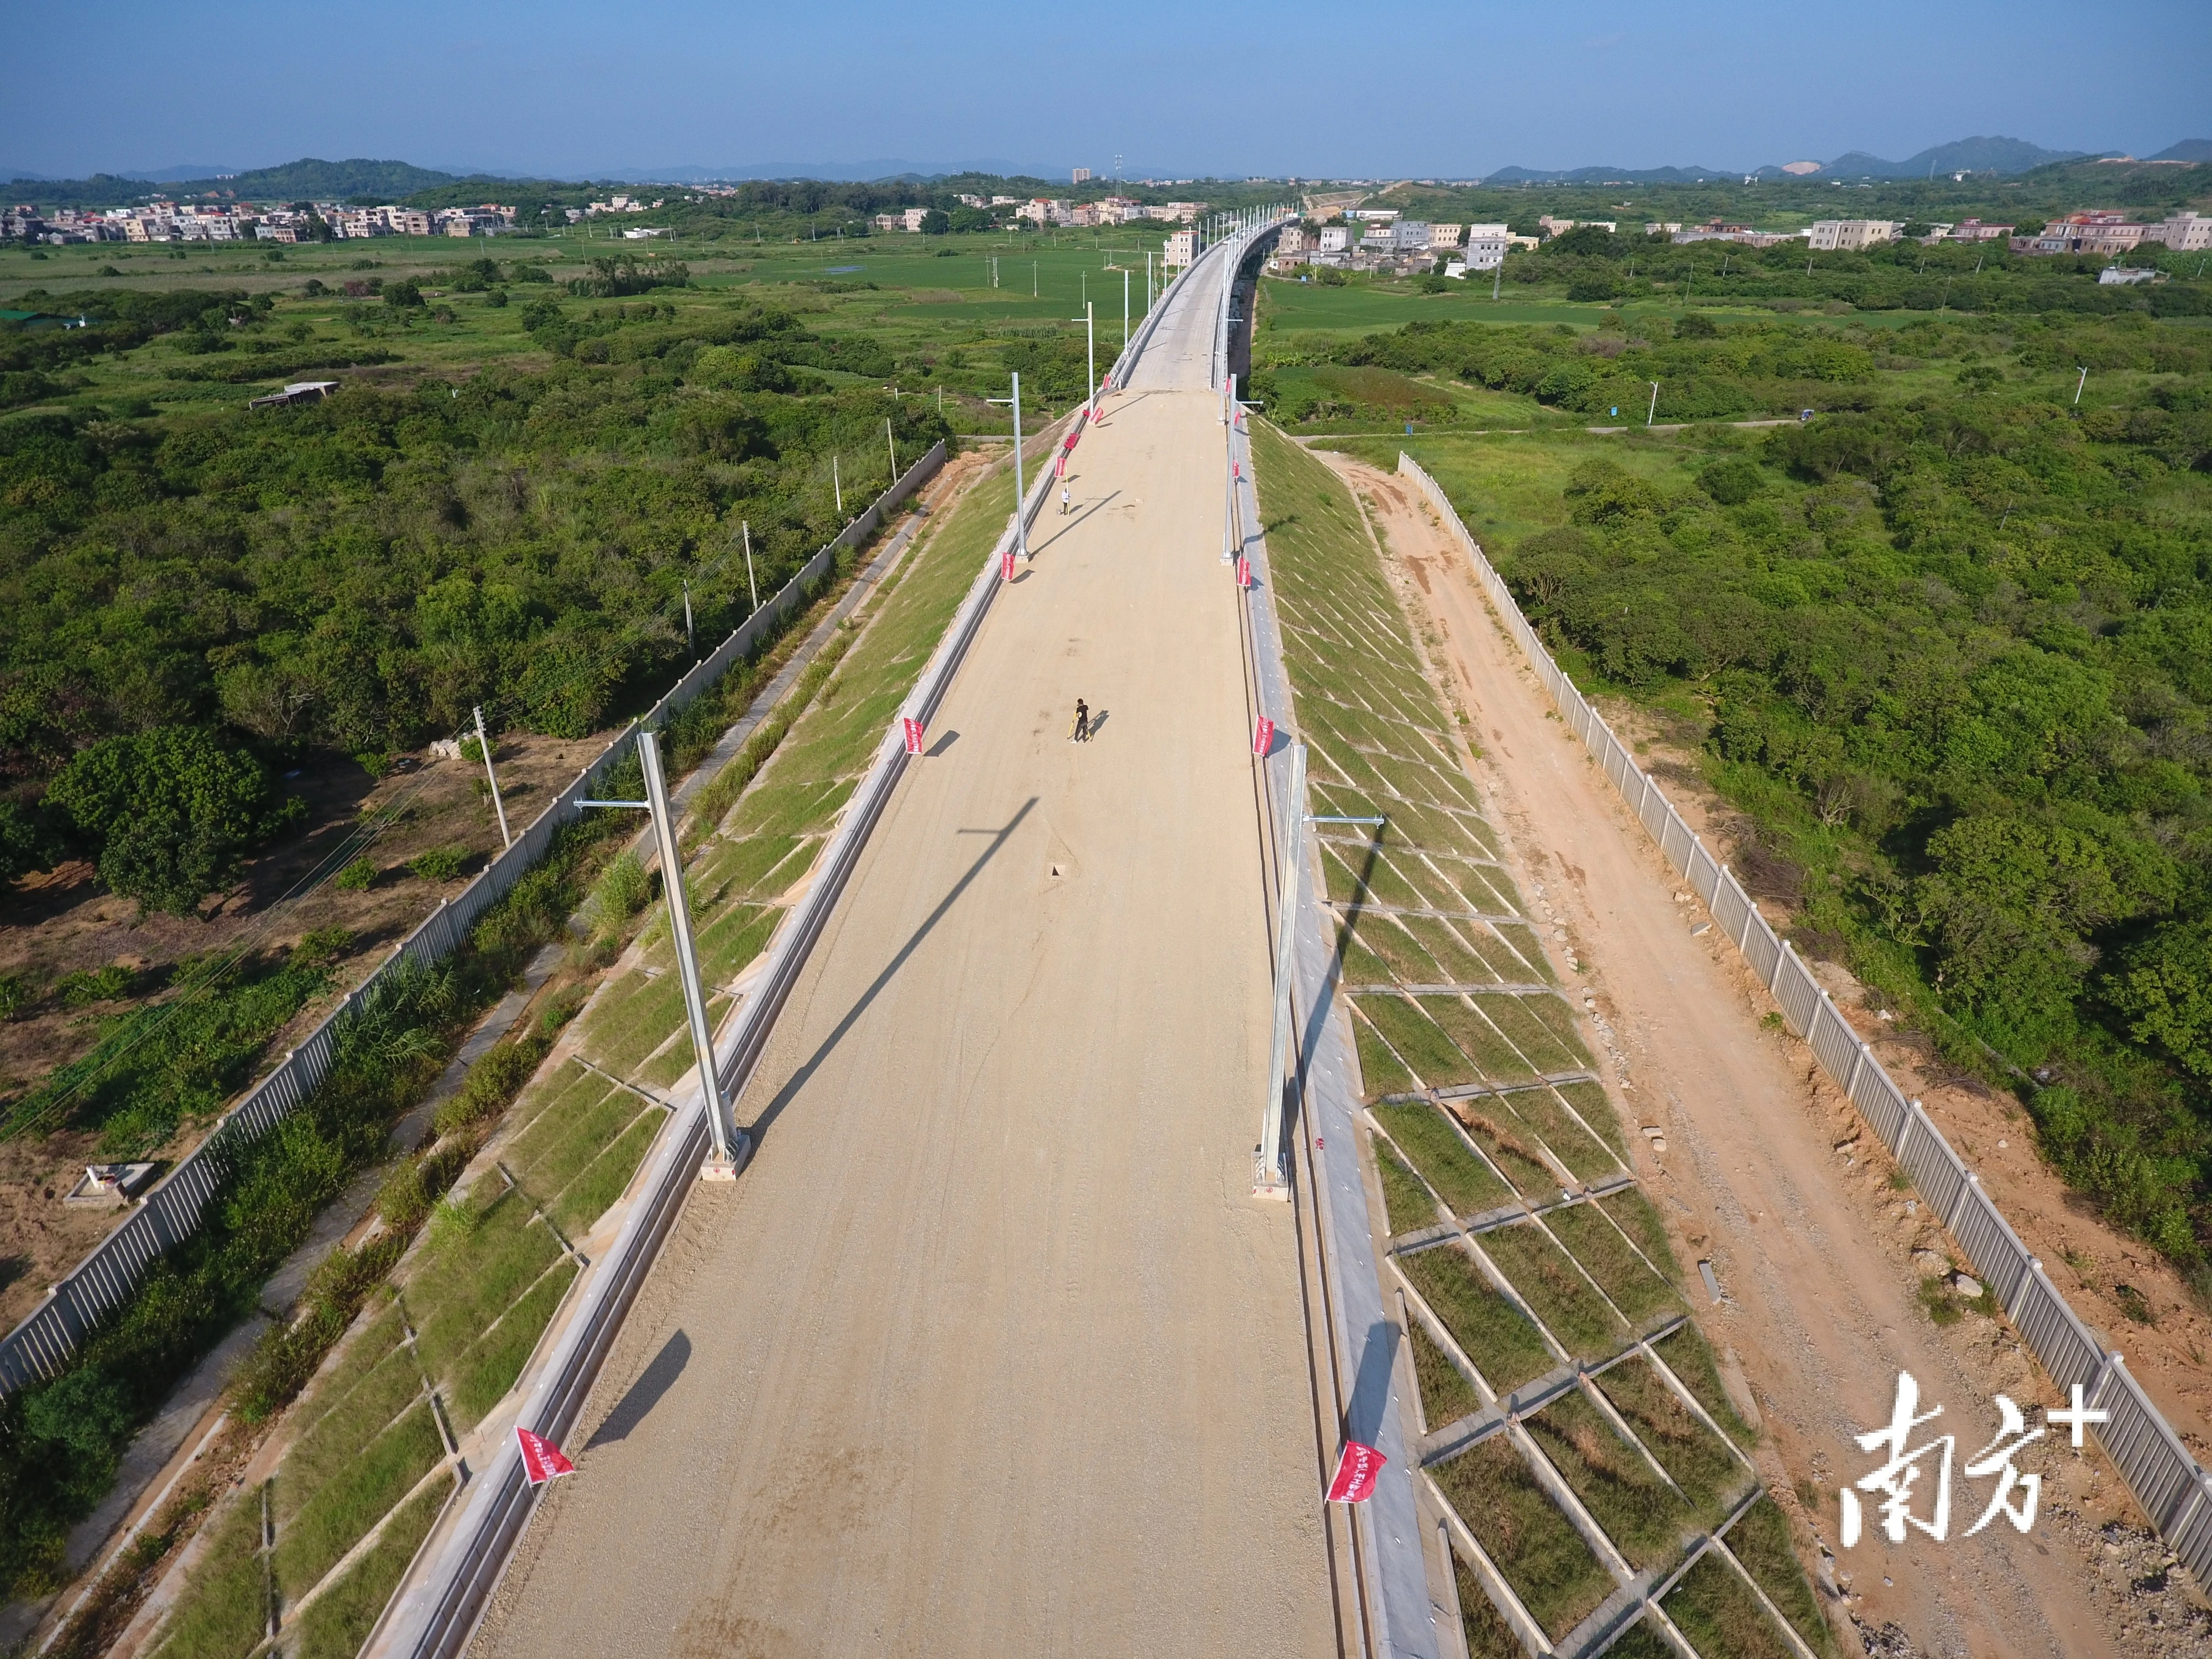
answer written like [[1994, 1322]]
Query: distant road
[[990, 1352]]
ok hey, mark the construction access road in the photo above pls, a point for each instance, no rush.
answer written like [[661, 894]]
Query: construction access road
[[990, 1351]]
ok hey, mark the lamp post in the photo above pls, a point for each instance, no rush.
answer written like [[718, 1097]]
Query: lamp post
[[730, 1145], [1021, 530], [1652, 413], [1090, 355], [751, 586]]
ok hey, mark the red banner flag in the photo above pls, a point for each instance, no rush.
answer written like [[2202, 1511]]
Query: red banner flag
[[912, 734], [1237, 470], [541, 1459], [1263, 737], [1006, 565], [1356, 1469], [1243, 571]]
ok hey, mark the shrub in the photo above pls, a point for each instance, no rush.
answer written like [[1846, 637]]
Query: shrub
[[439, 864], [16, 993], [173, 811], [83, 988], [492, 1083], [624, 889]]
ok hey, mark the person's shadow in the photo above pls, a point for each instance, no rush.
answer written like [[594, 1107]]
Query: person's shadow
[[1098, 721], [644, 1394]]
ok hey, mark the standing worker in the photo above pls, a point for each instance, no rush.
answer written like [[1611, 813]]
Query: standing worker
[[1082, 732], [1063, 501]]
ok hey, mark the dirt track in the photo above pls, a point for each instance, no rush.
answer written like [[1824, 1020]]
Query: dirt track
[[990, 1352], [1821, 1309]]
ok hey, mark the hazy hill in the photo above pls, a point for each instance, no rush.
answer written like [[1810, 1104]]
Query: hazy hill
[[1693, 175], [2189, 150], [1960, 156]]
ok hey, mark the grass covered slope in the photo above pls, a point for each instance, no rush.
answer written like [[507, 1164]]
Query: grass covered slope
[[1524, 1252]]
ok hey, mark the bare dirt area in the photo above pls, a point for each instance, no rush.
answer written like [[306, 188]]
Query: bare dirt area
[[1766, 1173], [64, 922]]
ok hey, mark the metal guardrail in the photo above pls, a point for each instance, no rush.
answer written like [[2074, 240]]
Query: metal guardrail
[[47, 1339], [2171, 1486]]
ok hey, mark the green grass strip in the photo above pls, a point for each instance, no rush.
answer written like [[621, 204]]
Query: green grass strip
[[1596, 1243], [1717, 1611], [1504, 1346], [346, 1507], [1529, 1541], [1446, 1395], [1438, 1153], [1760, 1540], [1642, 1515], [1547, 1281], [339, 1620]]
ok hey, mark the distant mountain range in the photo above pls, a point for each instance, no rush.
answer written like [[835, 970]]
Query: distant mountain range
[[310, 179], [1992, 155]]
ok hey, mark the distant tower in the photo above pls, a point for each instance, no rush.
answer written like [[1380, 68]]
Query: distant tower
[[1117, 167]]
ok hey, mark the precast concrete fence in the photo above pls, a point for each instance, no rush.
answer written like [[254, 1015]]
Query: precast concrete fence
[[2169, 1484], [46, 1341]]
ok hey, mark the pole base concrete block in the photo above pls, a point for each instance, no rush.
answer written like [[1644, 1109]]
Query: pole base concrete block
[[720, 1168]]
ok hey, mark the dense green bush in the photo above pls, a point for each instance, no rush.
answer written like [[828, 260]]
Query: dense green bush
[[1952, 654], [171, 811]]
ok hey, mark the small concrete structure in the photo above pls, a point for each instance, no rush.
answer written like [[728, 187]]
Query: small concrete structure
[[106, 1185], [300, 392]]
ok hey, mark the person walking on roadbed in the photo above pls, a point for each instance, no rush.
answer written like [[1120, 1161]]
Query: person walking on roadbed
[[1063, 501], [1082, 732]]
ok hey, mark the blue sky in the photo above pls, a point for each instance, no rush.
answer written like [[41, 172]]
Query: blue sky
[[1388, 87]]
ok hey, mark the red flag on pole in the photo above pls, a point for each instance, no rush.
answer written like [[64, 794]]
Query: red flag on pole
[[1237, 468], [1243, 571], [1356, 1469], [913, 727], [541, 1459], [1263, 737], [1006, 565]]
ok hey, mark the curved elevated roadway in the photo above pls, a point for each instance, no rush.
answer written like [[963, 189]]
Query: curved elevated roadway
[[990, 1352]]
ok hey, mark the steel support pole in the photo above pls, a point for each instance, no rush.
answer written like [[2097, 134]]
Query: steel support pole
[[752, 586], [1270, 1177], [483, 743], [1021, 530], [720, 1163]]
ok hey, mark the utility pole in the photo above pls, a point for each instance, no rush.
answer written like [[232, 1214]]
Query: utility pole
[[837, 484], [1090, 355], [1021, 530], [2078, 384], [722, 1161], [483, 743], [690, 640], [892, 444], [1652, 413], [751, 586]]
